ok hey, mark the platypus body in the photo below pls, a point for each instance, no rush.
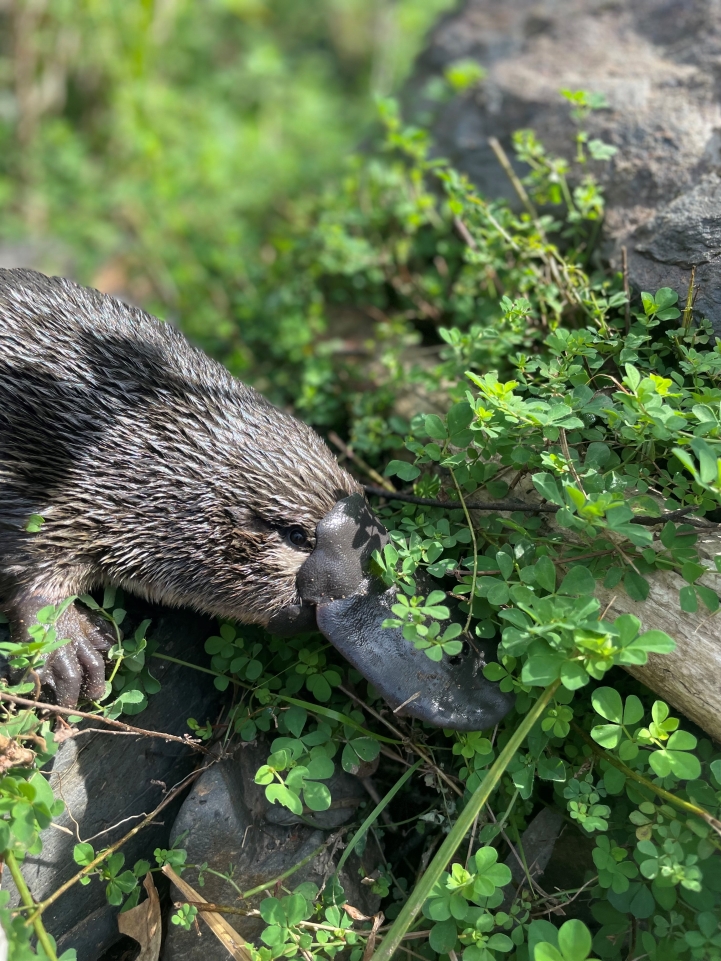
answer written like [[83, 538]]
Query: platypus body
[[155, 470]]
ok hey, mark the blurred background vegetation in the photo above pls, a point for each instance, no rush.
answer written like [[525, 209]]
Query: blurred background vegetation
[[165, 151]]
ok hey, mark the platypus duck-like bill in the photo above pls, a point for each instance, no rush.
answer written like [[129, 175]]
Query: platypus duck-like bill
[[349, 606]]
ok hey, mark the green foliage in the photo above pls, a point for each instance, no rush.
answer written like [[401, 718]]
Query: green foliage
[[412, 613], [184, 916], [308, 763], [455, 919], [559, 397], [571, 943]]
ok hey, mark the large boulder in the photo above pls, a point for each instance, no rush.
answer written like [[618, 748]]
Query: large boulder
[[228, 825], [657, 62]]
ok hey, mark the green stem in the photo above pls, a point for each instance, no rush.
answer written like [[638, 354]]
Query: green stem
[[204, 670], [462, 826], [286, 874], [375, 813], [27, 899], [694, 809], [267, 885], [475, 552]]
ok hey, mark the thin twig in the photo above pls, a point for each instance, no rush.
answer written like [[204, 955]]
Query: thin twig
[[464, 233], [503, 160], [496, 226], [626, 289], [386, 752], [474, 577], [688, 309], [454, 505], [645, 519], [409, 744], [520, 858], [569, 460], [608, 607], [125, 728], [408, 700], [472, 839], [385, 817], [558, 894], [364, 466], [379, 717], [627, 559]]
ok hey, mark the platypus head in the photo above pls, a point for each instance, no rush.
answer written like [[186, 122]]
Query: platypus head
[[286, 481]]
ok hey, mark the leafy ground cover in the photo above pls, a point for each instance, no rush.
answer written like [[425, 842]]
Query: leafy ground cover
[[478, 353]]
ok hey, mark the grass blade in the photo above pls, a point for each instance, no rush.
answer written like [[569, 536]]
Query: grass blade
[[375, 813], [423, 888]]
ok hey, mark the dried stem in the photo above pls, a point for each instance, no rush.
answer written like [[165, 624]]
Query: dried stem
[[464, 233], [688, 309], [569, 460], [119, 725], [626, 289], [503, 160], [365, 467]]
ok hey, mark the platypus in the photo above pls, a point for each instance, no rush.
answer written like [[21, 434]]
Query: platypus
[[156, 470]]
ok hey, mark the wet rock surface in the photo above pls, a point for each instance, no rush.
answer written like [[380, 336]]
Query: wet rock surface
[[228, 822], [107, 780], [657, 62]]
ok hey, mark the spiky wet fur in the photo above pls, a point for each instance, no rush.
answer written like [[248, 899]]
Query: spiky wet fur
[[153, 468]]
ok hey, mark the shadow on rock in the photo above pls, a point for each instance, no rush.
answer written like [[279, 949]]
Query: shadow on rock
[[229, 822]]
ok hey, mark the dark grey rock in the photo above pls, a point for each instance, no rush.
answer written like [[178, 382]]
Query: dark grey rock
[[538, 841], [229, 822], [107, 779], [657, 62]]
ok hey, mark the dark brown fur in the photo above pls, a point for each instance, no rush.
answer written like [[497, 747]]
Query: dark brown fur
[[153, 468]]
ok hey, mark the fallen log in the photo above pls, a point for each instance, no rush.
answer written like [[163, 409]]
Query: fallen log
[[689, 679]]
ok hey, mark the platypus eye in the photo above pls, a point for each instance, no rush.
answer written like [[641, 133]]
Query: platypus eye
[[297, 537]]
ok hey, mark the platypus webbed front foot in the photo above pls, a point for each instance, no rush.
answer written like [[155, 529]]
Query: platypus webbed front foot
[[77, 669], [351, 607]]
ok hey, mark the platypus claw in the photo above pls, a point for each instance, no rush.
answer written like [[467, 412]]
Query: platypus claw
[[77, 668]]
